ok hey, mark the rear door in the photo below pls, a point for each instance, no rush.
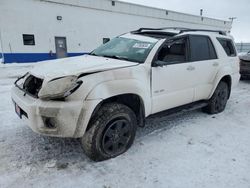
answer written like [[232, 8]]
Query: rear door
[[205, 60]]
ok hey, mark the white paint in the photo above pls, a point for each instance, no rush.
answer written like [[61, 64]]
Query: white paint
[[160, 88], [84, 23], [245, 56], [76, 66]]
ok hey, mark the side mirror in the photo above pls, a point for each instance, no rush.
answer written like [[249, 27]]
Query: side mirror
[[159, 63], [105, 40]]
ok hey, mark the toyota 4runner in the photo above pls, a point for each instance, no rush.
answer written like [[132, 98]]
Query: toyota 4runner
[[104, 96]]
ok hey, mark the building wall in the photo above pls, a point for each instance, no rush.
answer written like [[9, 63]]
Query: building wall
[[84, 23], [243, 47]]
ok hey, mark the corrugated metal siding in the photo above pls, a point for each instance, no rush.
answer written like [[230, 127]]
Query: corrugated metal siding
[[133, 9], [84, 24]]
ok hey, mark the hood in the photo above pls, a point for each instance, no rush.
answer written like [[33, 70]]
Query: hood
[[77, 66], [245, 56]]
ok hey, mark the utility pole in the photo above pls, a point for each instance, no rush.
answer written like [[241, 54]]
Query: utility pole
[[1, 48], [232, 19], [201, 12]]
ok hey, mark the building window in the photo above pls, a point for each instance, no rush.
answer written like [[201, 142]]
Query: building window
[[28, 39], [113, 3]]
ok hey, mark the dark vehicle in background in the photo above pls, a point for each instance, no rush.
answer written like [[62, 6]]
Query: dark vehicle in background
[[245, 65]]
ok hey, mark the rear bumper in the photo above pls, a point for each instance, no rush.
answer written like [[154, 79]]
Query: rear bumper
[[54, 118]]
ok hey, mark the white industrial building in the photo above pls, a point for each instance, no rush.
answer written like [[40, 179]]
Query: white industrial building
[[34, 30]]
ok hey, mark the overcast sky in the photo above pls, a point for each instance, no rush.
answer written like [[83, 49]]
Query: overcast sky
[[222, 9]]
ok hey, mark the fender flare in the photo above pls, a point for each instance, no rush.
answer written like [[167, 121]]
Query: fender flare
[[114, 88], [227, 71]]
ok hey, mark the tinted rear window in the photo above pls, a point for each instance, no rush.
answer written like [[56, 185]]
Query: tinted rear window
[[228, 46]]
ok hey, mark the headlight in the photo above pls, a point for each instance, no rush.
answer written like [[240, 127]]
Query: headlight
[[59, 88]]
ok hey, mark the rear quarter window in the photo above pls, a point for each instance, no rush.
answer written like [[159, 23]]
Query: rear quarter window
[[228, 46]]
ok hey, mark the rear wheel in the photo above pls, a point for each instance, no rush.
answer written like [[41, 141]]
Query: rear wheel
[[112, 132], [218, 101]]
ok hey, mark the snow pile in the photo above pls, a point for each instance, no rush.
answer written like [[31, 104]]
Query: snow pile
[[187, 150], [14, 70]]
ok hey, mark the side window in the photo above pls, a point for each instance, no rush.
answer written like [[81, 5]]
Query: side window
[[201, 48], [173, 52], [212, 51], [228, 46]]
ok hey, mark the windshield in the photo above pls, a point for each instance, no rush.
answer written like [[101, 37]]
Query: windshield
[[125, 49]]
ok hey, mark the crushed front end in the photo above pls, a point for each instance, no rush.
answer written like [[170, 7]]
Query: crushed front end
[[58, 118]]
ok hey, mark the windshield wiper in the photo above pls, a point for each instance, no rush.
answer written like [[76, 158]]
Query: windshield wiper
[[108, 56], [117, 57]]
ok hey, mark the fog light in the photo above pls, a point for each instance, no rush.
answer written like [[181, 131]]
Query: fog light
[[49, 123]]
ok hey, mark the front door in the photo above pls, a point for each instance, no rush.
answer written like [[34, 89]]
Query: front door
[[61, 47], [173, 78]]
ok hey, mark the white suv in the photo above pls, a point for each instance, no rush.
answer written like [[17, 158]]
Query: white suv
[[103, 97]]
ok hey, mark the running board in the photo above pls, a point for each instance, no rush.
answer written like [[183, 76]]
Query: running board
[[181, 109]]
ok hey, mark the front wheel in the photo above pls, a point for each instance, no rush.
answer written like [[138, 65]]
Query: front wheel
[[218, 101], [112, 132]]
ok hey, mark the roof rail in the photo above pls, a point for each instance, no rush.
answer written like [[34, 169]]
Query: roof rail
[[158, 29], [181, 29], [205, 30]]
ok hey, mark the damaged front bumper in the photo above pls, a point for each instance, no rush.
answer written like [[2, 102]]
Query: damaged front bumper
[[54, 118]]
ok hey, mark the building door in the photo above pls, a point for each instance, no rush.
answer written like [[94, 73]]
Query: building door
[[61, 47]]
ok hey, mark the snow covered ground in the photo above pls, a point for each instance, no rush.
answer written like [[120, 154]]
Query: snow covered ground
[[188, 150]]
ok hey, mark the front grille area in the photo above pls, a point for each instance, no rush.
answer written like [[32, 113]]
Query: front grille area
[[32, 85]]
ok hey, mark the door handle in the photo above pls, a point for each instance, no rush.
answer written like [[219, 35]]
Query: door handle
[[190, 68], [215, 64]]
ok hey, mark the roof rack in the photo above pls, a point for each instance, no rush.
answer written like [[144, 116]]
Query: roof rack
[[158, 29], [205, 30], [181, 29]]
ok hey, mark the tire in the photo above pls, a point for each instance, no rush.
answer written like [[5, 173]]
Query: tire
[[218, 101], [112, 132]]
